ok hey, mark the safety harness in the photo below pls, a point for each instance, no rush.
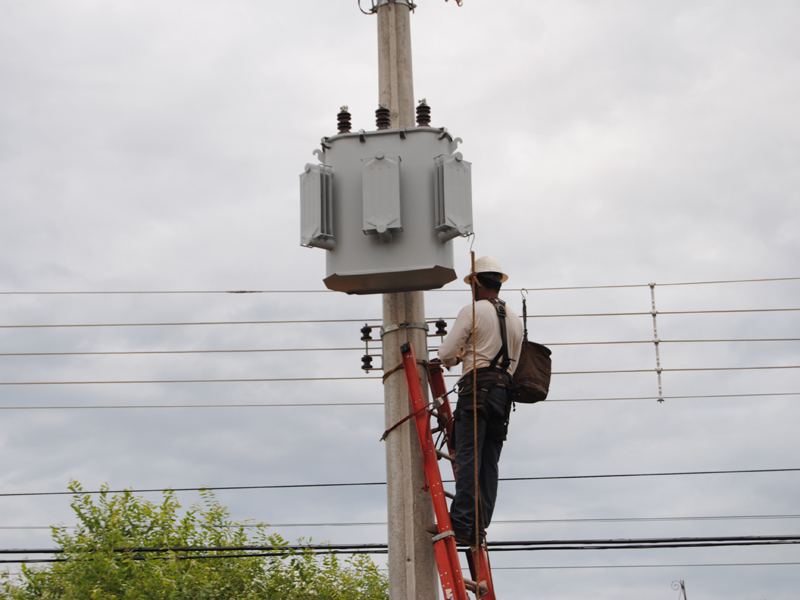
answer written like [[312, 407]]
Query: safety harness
[[492, 376]]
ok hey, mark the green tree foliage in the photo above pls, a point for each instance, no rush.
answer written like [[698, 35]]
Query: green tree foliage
[[94, 571]]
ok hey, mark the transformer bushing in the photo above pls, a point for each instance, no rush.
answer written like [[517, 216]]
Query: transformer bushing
[[386, 205]]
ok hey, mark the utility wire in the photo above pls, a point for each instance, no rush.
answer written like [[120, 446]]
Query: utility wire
[[272, 322], [376, 320], [360, 348], [530, 289], [376, 483], [159, 406], [547, 568], [119, 353], [495, 521], [277, 379], [323, 404], [504, 546]]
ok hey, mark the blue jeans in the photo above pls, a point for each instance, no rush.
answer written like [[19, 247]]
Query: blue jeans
[[462, 509]]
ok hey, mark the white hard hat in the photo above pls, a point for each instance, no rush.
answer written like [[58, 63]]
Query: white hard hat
[[487, 264]]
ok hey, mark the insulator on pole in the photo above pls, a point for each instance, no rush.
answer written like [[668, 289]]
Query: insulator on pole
[[382, 117], [423, 114], [343, 120]]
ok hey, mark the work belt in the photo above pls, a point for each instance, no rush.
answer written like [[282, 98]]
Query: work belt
[[487, 379]]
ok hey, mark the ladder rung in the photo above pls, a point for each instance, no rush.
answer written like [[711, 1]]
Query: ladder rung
[[445, 455], [471, 586], [449, 495]]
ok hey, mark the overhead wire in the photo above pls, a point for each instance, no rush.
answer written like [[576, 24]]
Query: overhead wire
[[378, 483], [369, 377], [134, 553], [495, 521], [359, 348], [377, 320], [532, 289], [670, 566], [330, 404]]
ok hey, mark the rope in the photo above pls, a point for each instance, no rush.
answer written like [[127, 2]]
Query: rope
[[400, 367], [391, 372], [473, 284], [403, 420]]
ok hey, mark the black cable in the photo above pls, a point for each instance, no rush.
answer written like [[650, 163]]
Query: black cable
[[318, 404], [122, 353], [540, 568], [151, 381], [374, 483], [182, 324], [495, 521], [432, 349], [151, 406], [279, 379], [376, 320], [502, 546], [464, 290]]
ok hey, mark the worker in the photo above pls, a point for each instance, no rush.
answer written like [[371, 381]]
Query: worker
[[498, 342]]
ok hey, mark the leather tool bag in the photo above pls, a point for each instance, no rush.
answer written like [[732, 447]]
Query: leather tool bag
[[532, 375]]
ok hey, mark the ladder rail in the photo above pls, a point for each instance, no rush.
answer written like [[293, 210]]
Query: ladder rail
[[445, 549], [445, 417], [454, 585]]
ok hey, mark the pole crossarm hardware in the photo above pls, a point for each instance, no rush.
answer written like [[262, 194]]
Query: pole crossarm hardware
[[454, 584], [376, 4], [390, 328]]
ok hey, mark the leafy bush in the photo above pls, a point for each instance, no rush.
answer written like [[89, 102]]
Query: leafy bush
[[94, 571]]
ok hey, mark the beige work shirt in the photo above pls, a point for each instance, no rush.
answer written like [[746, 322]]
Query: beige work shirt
[[487, 337]]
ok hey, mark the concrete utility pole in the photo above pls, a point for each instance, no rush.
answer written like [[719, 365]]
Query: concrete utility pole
[[412, 565]]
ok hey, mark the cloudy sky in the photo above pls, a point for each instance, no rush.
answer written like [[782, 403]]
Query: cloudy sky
[[155, 147]]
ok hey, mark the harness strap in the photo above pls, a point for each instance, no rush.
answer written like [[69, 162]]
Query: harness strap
[[500, 307]]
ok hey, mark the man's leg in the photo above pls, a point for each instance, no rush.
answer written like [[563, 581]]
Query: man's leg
[[496, 430], [462, 509], [489, 473]]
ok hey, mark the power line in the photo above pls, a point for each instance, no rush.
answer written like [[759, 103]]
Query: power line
[[376, 320], [541, 568], [375, 483], [502, 546], [324, 404], [151, 381], [460, 290], [360, 348], [187, 323], [121, 353], [495, 521], [160, 406], [278, 379]]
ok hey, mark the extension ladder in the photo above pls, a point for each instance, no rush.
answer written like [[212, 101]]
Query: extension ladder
[[454, 585]]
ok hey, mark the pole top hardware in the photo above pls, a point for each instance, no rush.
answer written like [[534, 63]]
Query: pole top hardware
[[390, 328], [376, 4]]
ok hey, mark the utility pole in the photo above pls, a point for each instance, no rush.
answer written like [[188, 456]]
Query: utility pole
[[412, 565], [385, 205]]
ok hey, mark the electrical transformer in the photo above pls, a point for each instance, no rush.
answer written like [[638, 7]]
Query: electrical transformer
[[386, 205]]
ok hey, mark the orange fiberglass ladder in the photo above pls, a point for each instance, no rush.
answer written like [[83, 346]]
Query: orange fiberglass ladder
[[454, 585]]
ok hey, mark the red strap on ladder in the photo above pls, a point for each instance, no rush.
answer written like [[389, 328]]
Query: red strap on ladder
[[454, 586]]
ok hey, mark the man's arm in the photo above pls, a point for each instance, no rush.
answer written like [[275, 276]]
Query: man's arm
[[455, 341]]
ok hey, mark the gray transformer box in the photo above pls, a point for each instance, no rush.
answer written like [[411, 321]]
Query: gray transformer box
[[385, 205]]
